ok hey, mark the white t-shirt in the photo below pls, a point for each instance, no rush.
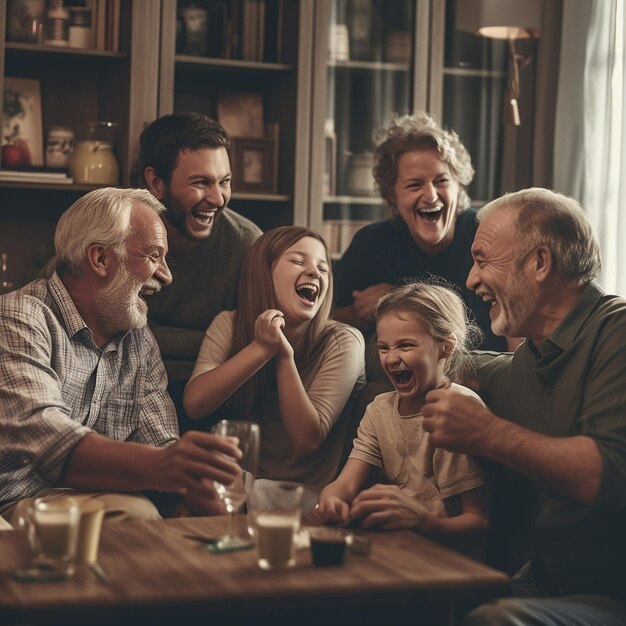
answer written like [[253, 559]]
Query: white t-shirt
[[399, 446]]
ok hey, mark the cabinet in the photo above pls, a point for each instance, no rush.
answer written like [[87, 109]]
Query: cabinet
[[77, 86], [370, 60], [416, 59], [331, 72], [468, 79]]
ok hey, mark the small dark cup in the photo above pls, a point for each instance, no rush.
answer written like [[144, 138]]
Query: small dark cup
[[328, 546]]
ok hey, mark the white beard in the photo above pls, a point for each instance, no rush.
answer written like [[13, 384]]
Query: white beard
[[119, 305]]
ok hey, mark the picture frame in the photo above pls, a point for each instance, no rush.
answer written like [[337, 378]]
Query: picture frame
[[22, 127], [253, 162], [241, 114]]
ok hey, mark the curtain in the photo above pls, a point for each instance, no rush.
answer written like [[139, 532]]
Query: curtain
[[590, 133]]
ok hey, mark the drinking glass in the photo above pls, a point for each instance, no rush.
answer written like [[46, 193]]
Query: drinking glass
[[275, 510], [51, 526], [235, 494]]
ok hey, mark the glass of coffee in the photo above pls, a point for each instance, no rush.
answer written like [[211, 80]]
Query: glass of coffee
[[52, 525], [275, 510]]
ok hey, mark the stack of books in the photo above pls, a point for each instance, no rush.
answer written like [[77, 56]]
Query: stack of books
[[21, 176]]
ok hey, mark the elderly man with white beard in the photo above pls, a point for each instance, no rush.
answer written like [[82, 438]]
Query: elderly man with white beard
[[83, 400]]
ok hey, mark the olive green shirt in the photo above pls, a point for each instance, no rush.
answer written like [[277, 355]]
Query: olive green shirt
[[574, 383]]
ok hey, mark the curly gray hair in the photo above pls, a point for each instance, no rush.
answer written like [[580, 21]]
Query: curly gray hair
[[419, 131]]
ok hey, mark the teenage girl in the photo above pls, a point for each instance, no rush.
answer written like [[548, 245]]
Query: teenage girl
[[422, 335], [281, 361]]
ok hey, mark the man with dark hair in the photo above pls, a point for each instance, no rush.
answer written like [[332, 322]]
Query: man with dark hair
[[557, 424], [184, 163]]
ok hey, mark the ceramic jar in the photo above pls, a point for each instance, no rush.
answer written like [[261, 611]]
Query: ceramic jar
[[360, 181], [94, 161]]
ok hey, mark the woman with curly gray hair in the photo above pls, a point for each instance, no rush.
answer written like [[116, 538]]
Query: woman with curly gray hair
[[422, 171]]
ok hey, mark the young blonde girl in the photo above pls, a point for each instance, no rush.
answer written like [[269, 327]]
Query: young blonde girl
[[279, 359], [422, 333]]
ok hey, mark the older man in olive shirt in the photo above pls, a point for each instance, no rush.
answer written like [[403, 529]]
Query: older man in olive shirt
[[558, 409]]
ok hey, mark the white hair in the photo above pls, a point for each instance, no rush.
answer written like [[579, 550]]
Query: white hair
[[99, 217]]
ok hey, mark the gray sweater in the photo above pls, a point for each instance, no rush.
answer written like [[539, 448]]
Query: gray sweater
[[204, 283]]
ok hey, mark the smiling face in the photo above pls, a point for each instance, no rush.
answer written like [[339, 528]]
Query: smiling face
[[300, 278], [412, 359], [199, 189], [497, 277], [426, 197], [143, 272]]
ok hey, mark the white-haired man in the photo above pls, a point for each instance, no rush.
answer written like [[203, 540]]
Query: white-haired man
[[83, 400]]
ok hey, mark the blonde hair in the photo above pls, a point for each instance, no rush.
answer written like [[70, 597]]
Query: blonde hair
[[257, 294], [419, 131], [443, 314]]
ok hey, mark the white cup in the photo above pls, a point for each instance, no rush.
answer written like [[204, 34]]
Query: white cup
[[52, 530], [275, 509]]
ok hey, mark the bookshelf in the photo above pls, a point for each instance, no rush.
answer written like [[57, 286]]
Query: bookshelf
[[78, 85], [373, 58], [258, 47]]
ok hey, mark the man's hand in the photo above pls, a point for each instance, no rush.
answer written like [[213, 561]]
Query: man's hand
[[365, 301], [457, 422], [387, 507], [189, 465], [203, 500]]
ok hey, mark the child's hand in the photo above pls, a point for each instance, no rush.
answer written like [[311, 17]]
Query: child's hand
[[333, 509], [268, 330], [387, 507]]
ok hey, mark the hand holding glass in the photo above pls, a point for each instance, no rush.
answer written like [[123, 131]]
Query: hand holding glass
[[235, 494]]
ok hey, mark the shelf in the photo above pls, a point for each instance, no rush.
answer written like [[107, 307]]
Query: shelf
[[374, 200], [260, 197], [375, 66], [9, 184], [229, 65], [29, 50], [470, 71]]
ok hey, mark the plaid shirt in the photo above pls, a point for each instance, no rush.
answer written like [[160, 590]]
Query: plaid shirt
[[56, 386]]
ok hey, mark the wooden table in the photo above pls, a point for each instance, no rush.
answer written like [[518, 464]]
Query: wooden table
[[158, 576]]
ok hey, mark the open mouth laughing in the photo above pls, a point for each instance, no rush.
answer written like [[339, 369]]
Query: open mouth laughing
[[308, 293], [206, 217], [402, 379], [431, 214], [148, 290], [485, 296]]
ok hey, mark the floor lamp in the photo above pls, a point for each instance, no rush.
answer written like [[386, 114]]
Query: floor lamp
[[503, 19]]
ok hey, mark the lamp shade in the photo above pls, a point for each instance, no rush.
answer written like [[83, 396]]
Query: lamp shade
[[499, 19]]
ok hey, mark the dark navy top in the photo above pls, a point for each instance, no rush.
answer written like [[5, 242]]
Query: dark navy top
[[385, 252]]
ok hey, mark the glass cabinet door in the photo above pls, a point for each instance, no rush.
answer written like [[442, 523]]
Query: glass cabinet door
[[365, 61], [474, 79]]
